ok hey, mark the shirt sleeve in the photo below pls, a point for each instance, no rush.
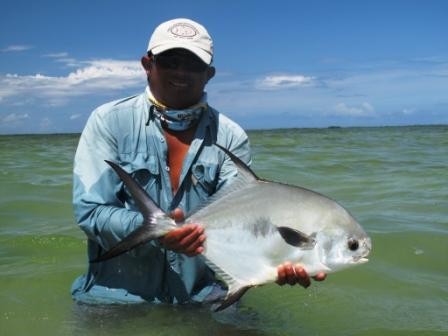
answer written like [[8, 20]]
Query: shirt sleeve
[[97, 207]]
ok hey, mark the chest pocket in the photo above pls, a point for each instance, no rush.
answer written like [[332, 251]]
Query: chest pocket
[[204, 175], [145, 170]]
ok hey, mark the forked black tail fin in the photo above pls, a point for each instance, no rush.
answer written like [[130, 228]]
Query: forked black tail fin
[[155, 222]]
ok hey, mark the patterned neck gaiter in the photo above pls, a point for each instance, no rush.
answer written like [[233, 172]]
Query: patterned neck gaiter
[[177, 120]]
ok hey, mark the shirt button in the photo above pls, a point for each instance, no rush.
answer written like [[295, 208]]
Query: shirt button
[[167, 168], [162, 139]]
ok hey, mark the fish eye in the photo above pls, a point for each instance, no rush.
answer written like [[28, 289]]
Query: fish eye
[[353, 244]]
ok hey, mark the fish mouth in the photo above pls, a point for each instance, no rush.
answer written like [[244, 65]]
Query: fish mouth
[[360, 260]]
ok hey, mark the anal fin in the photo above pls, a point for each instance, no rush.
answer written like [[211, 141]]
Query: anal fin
[[232, 298]]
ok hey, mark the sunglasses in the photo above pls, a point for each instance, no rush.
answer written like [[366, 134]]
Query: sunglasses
[[176, 60]]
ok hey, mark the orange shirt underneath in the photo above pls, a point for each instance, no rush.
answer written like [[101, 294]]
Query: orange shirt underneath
[[178, 144]]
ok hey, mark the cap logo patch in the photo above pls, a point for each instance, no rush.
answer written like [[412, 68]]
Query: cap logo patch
[[184, 30]]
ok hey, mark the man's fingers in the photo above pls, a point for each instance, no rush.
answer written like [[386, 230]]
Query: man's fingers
[[195, 248], [302, 277], [187, 240], [178, 215], [290, 274], [296, 274], [177, 235], [286, 274], [281, 275], [191, 237], [320, 276], [192, 244]]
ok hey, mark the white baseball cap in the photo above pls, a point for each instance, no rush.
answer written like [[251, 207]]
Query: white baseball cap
[[185, 34]]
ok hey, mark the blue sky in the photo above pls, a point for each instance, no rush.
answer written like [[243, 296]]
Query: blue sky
[[279, 63]]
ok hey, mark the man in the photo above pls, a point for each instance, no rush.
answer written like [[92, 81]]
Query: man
[[164, 137]]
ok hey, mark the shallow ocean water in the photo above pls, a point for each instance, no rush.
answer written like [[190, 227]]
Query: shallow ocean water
[[392, 179]]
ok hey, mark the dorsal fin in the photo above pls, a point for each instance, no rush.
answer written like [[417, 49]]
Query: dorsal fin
[[243, 179], [243, 168]]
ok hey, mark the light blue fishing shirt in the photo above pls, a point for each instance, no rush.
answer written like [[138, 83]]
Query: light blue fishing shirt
[[127, 132]]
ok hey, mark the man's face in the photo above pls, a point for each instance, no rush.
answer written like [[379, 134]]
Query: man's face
[[177, 77]]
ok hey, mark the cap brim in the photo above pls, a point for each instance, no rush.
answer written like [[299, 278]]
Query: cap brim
[[202, 54]]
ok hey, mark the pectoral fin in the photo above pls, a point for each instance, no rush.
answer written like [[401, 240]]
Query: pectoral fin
[[296, 238]]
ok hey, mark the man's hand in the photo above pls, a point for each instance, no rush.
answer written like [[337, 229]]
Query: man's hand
[[288, 273], [188, 239]]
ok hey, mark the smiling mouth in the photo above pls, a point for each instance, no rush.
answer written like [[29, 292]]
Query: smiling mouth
[[179, 84]]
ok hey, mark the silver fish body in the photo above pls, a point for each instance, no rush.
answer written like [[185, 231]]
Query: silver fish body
[[254, 225], [244, 245]]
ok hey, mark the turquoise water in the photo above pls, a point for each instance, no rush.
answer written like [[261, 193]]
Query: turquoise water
[[393, 180]]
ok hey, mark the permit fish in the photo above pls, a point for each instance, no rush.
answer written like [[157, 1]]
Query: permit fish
[[253, 225]]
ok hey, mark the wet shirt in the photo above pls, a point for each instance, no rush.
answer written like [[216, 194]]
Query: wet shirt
[[129, 133]]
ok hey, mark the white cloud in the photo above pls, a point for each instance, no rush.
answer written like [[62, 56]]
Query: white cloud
[[99, 72], [14, 118], [278, 82], [361, 110], [373, 94], [16, 48], [94, 77], [57, 55], [75, 116], [409, 111], [63, 57]]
